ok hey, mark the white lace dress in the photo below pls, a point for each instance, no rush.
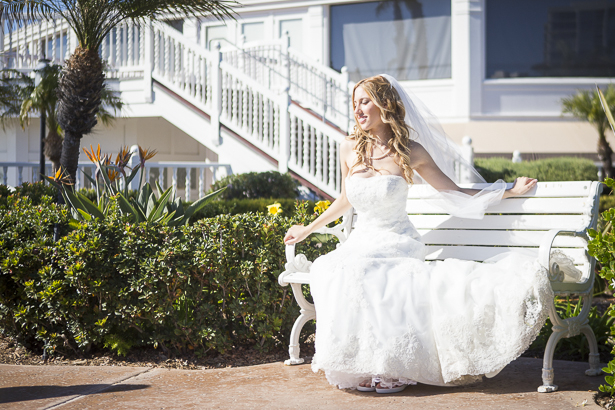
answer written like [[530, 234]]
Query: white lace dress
[[383, 311]]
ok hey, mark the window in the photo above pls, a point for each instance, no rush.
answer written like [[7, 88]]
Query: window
[[408, 39], [215, 33], [550, 38], [295, 32], [253, 31]]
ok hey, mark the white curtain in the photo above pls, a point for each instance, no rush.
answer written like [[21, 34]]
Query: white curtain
[[412, 49]]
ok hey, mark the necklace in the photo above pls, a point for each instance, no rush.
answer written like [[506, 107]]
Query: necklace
[[386, 154]]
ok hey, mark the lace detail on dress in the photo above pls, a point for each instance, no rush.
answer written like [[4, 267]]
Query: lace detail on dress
[[384, 312]]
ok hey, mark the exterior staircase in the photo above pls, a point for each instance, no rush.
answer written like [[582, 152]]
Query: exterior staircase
[[287, 109]]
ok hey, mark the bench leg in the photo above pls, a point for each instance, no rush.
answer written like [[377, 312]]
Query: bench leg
[[594, 357], [547, 364], [307, 313], [569, 327]]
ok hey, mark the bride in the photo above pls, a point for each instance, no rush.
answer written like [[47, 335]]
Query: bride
[[387, 318]]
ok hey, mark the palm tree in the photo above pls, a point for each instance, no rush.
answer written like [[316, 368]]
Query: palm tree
[[19, 98], [81, 85], [44, 97], [585, 105]]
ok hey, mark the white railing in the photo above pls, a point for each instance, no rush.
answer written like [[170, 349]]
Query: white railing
[[22, 47], [312, 85], [165, 172], [314, 150]]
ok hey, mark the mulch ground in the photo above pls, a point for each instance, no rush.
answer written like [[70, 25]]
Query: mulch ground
[[13, 353]]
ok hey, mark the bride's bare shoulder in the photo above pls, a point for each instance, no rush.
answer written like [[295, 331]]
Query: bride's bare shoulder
[[347, 146], [418, 154]]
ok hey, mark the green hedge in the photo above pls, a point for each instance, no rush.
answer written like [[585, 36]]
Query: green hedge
[[242, 206], [208, 286], [252, 185], [552, 169]]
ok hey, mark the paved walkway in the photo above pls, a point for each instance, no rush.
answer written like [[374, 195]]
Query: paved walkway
[[275, 386]]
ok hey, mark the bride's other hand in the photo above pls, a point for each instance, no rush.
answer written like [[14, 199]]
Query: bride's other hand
[[522, 186], [296, 234]]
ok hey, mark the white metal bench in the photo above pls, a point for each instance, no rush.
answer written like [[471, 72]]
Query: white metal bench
[[554, 215]]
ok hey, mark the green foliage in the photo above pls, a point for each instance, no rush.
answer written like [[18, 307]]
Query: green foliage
[[552, 169], [606, 202], [117, 344], [242, 206], [577, 347], [587, 106], [36, 191], [252, 185], [602, 247], [208, 286]]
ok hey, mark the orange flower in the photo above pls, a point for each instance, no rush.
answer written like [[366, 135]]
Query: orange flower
[[112, 174], [145, 154], [61, 178], [92, 155], [123, 157]]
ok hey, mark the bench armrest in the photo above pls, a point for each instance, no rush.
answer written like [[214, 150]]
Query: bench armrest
[[299, 263], [544, 252]]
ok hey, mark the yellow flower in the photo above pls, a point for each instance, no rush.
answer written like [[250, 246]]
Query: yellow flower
[[274, 209], [321, 206]]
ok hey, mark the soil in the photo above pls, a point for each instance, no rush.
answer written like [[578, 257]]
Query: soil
[[604, 400], [13, 353]]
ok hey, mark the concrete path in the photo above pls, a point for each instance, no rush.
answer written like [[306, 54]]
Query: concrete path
[[275, 386]]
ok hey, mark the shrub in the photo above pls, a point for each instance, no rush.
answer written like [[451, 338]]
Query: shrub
[[552, 169], [576, 347], [242, 206], [252, 185], [209, 286], [36, 191]]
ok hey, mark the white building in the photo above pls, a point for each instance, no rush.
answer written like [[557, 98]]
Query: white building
[[494, 70]]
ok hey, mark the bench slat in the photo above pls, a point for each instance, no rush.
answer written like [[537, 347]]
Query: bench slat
[[481, 253], [521, 222], [566, 189], [518, 206], [495, 238]]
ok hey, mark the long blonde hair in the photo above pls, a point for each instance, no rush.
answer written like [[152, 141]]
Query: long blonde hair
[[392, 112]]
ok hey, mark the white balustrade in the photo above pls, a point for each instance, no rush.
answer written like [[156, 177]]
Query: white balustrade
[[16, 173]]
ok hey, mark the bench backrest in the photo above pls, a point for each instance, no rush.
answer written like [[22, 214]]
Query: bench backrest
[[515, 223]]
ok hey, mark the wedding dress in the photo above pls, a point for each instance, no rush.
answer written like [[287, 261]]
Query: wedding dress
[[383, 311]]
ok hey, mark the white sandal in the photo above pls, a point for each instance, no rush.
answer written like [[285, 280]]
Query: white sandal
[[396, 389], [366, 388], [389, 386]]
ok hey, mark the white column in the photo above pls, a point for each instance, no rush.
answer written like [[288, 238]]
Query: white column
[[191, 26], [148, 61], [468, 56], [216, 99], [318, 47]]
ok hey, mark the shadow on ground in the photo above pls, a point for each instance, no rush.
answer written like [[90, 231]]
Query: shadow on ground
[[26, 393]]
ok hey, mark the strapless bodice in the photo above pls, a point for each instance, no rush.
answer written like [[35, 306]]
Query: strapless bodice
[[380, 199]]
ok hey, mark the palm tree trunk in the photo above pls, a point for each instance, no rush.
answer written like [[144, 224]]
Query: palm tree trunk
[[79, 92], [53, 148], [605, 153]]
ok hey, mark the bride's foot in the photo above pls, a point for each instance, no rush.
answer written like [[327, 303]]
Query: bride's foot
[[394, 386], [366, 386]]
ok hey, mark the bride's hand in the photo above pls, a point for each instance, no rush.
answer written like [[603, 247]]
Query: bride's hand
[[522, 186], [296, 234]]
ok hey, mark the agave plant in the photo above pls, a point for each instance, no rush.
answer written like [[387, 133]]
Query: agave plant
[[111, 180]]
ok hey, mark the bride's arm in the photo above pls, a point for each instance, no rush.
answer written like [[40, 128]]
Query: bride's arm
[[423, 164], [297, 233]]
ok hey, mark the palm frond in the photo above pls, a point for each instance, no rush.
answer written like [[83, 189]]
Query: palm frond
[[92, 20]]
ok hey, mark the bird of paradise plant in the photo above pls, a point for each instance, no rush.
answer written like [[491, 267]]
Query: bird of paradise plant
[[108, 180]]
